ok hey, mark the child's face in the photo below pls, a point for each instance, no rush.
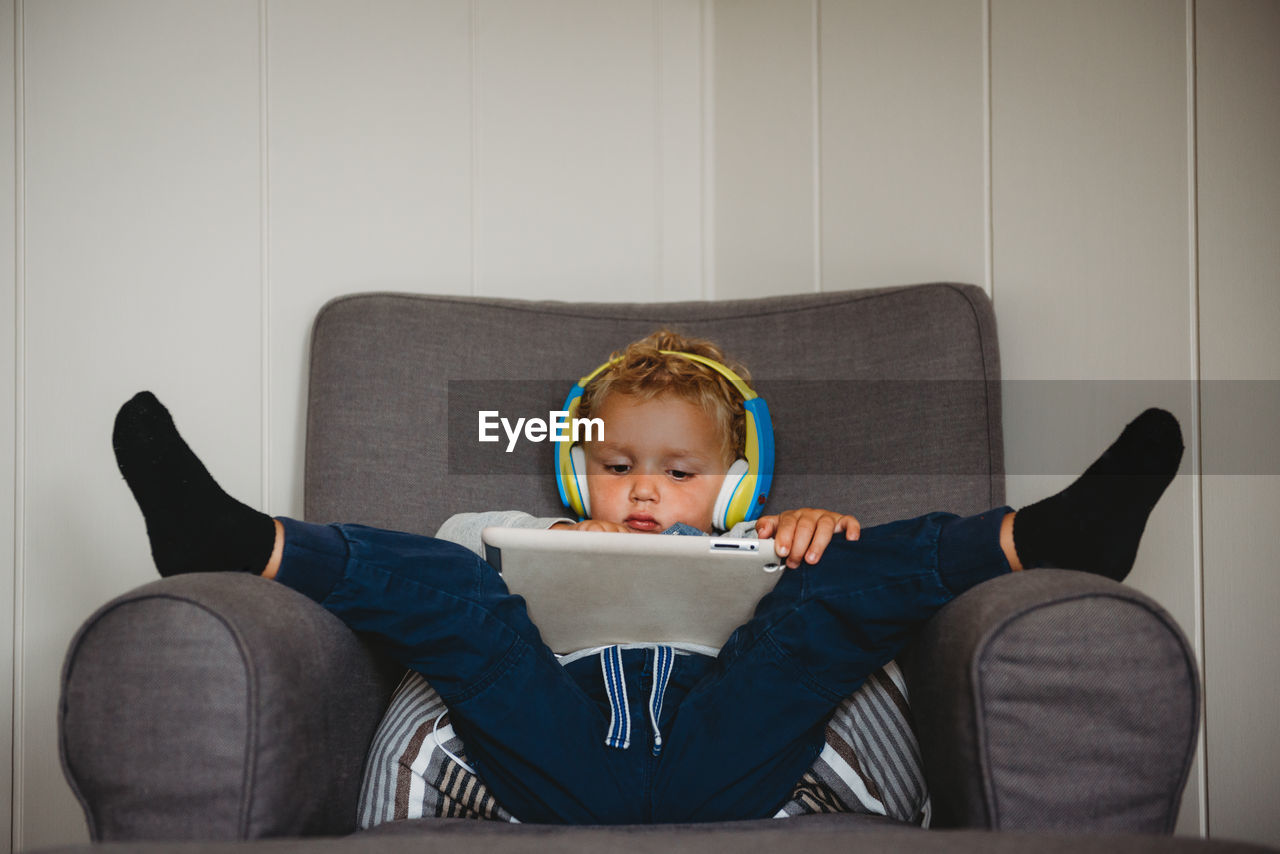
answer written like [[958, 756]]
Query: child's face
[[661, 462]]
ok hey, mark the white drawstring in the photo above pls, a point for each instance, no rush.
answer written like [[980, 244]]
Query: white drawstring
[[615, 687], [435, 734], [663, 656], [615, 684]]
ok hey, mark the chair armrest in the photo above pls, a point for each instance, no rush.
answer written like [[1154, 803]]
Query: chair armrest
[[218, 706], [1054, 699]]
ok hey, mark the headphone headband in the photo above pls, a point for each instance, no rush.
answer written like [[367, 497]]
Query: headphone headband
[[724, 370]]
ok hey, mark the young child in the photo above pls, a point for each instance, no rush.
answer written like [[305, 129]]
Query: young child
[[724, 737]]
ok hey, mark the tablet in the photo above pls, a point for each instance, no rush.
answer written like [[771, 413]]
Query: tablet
[[589, 588]]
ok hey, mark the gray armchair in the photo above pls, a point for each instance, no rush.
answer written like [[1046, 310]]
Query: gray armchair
[[260, 706]]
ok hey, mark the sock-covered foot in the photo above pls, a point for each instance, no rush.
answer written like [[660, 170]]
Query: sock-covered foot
[[1095, 524], [193, 525]]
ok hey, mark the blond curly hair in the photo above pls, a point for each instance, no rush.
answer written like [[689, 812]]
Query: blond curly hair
[[642, 371]]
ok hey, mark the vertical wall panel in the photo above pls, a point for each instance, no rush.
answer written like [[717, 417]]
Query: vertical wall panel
[[903, 154], [764, 148], [1238, 76], [142, 271], [681, 104], [567, 146], [1089, 187], [369, 177], [1091, 277], [9, 124]]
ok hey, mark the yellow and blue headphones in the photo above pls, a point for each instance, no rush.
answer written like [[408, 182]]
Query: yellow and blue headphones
[[746, 484]]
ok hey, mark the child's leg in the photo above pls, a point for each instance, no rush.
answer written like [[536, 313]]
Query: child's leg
[[746, 732], [534, 736], [753, 724]]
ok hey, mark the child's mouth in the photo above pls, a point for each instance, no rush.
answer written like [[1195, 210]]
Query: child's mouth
[[643, 524]]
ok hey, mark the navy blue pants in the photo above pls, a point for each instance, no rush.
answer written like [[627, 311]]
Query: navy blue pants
[[737, 731]]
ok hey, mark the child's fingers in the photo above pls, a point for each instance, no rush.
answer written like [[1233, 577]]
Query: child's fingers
[[822, 532], [852, 527], [765, 526], [805, 528], [601, 525], [783, 537]]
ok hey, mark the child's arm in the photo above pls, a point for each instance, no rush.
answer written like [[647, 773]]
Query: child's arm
[[465, 528], [803, 535]]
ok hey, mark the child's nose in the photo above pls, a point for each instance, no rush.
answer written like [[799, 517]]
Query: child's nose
[[644, 486]]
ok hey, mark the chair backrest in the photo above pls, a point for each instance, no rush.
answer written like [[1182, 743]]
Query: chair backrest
[[886, 402]]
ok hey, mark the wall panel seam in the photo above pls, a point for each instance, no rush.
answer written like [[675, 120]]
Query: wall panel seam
[[708, 164], [988, 213], [264, 249], [474, 99], [659, 162], [1197, 489], [19, 423], [816, 106]]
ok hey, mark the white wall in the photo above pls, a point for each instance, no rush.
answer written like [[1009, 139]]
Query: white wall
[[1091, 174], [194, 180], [1238, 81], [9, 260], [1108, 171]]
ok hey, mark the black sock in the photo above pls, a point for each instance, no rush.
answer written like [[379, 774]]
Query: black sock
[[193, 525], [1095, 523]]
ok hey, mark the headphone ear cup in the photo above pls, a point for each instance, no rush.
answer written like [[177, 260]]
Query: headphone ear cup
[[579, 460], [732, 480]]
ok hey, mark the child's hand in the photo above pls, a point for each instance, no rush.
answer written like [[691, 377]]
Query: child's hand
[[804, 534], [593, 525]]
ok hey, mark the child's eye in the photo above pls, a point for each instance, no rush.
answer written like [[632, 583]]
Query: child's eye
[[617, 468], [680, 475]]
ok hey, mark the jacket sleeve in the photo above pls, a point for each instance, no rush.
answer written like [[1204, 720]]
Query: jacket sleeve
[[464, 528], [743, 531]]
